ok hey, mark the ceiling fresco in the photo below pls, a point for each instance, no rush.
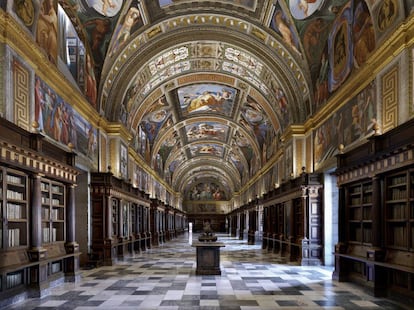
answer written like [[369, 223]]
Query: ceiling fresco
[[206, 98], [248, 4], [206, 130], [207, 88]]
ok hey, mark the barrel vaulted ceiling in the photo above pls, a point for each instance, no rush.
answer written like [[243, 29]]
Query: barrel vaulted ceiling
[[207, 88]]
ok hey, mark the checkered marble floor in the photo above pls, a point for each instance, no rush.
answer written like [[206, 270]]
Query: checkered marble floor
[[164, 278]]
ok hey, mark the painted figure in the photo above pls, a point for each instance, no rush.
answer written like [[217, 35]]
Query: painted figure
[[363, 34], [46, 34], [284, 30], [386, 14], [123, 30], [304, 6], [90, 85]]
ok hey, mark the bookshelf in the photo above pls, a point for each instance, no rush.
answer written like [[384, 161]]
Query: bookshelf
[[14, 205], [126, 220], [298, 218], [115, 217], [134, 219], [37, 205], [53, 211], [376, 213], [118, 219], [293, 220], [359, 213], [411, 210], [396, 210]]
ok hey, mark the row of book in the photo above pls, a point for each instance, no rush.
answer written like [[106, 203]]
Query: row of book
[[14, 279], [361, 235], [397, 194], [14, 179], [397, 236], [55, 189], [46, 214], [15, 211], [398, 180], [14, 237], [55, 202], [14, 195], [47, 237], [396, 212], [44, 187], [56, 267]]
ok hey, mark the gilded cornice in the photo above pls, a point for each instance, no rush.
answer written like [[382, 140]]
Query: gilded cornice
[[293, 130], [191, 165], [17, 38], [143, 165], [119, 130], [20, 40]]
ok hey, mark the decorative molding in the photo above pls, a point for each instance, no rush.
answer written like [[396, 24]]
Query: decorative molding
[[21, 95], [298, 156], [309, 154], [102, 189], [27, 159], [103, 154], [390, 99], [119, 130], [395, 161]]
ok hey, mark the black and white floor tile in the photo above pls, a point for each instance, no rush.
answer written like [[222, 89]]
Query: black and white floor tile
[[164, 278]]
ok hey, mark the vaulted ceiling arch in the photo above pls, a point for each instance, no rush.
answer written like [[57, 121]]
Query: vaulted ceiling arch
[[281, 65], [206, 129], [206, 93], [206, 165], [260, 60]]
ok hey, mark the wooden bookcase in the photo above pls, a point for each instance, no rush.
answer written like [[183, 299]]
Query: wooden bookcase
[[359, 208], [14, 205], [292, 224], [120, 219], [376, 213], [37, 215], [398, 210], [53, 211], [124, 219]]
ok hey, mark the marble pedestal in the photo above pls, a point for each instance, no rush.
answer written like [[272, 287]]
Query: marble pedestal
[[208, 257]]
